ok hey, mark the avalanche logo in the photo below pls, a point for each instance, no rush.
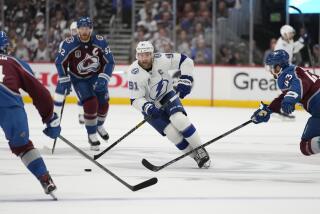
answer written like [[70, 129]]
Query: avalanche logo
[[159, 89], [88, 64]]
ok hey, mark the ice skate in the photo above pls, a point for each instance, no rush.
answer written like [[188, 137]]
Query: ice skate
[[81, 118], [202, 158], [285, 117], [48, 186], [94, 142], [103, 133]]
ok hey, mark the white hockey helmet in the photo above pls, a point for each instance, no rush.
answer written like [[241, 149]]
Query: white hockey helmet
[[73, 28], [287, 32], [144, 47]]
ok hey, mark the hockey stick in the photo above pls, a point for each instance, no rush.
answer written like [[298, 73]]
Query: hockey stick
[[154, 168], [308, 48], [95, 157], [137, 187], [55, 140]]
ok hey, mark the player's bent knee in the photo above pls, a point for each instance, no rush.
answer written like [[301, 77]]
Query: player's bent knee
[[180, 121], [22, 149]]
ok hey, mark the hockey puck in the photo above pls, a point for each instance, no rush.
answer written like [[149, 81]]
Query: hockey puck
[[88, 170]]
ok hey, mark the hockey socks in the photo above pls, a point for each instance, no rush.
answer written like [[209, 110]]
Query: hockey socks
[[188, 131], [34, 162], [310, 147], [90, 107], [175, 136]]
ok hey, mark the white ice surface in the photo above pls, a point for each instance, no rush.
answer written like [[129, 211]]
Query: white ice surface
[[257, 169]]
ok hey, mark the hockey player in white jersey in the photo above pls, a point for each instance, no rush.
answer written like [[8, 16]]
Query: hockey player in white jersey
[[151, 86], [285, 42]]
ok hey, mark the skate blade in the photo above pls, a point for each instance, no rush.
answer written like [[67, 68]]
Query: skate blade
[[206, 165], [54, 197]]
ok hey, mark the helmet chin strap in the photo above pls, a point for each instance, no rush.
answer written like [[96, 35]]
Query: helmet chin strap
[[276, 75]]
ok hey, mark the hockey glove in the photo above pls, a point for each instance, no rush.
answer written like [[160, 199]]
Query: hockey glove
[[100, 86], [53, 127], [262, 114], [64, 85], [288, 105], [184, 85], [151, 110]]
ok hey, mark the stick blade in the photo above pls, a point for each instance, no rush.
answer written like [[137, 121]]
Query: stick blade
[[150, 166], [95, 157], [145, 184]]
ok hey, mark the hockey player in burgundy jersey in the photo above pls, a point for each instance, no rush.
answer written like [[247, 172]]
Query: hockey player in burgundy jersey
[[298, 86], [85, 61], [14, 75]]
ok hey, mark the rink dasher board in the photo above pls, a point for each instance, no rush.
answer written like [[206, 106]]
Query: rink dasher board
[[223, 86]]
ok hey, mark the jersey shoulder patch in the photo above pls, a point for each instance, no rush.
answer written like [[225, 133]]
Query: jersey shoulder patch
[[99, 37], [68, 44], [135, 70], [101, 42], [69, 39]]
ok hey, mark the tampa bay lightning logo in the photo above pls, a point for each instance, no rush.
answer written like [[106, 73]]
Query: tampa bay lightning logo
[[135, 71], [159, 89], [88, 64]]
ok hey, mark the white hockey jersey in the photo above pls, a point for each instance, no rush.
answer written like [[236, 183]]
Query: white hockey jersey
[[291, 47], [152, 86]]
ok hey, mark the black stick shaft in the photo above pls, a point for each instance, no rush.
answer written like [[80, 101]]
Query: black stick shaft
[[146, 163], [131, 130], [121, 138], [133, 188]]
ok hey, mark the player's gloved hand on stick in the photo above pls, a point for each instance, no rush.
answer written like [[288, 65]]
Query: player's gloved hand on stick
[[288, 104], [151, 110], [262, 114], [100, 86], [53, 127], [184, 85], [65, 84]]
